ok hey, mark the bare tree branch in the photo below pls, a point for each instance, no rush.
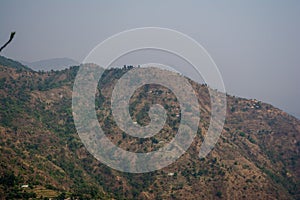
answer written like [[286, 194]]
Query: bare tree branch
[[12, 34]]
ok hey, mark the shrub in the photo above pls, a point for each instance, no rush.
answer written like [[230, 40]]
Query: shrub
[[219, 194]]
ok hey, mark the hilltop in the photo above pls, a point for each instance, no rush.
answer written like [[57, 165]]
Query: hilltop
[[256, 157]]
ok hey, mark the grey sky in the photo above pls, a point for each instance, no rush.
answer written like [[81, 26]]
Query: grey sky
[[255, 44]]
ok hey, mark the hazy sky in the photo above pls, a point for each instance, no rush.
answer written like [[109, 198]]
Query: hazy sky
[[255, 44]]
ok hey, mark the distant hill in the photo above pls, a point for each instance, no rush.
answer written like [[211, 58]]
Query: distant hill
[[13, 64], [51, 64], [256, 157]]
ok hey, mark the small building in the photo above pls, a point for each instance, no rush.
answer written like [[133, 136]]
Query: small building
[[24, 186]]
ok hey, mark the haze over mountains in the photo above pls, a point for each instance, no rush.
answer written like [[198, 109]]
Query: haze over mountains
[[256, 157], [51, 64], [255, 44]]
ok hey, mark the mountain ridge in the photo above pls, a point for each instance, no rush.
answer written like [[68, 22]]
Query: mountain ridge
[[51, 64], [256, 157]]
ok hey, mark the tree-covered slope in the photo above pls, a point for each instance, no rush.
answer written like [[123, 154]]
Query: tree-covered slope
[[256, 157]]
